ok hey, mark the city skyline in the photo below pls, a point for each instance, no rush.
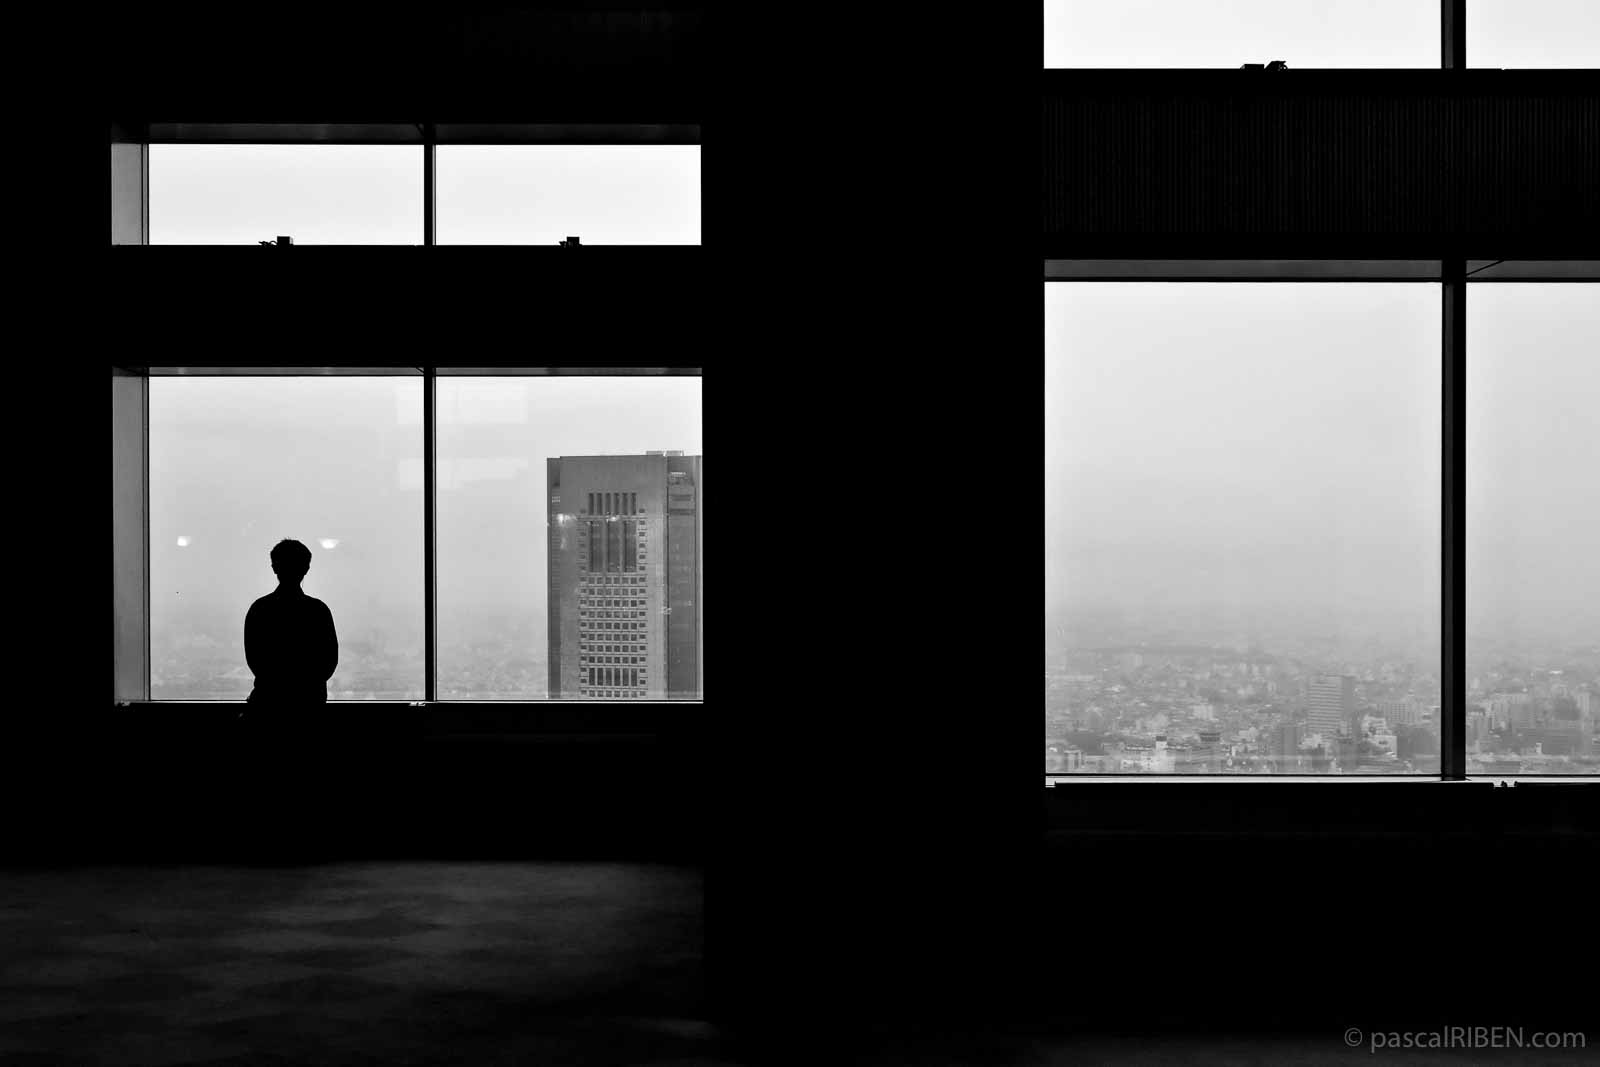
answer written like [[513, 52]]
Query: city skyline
[[1242, 529], [1278, 707], [238, 463]]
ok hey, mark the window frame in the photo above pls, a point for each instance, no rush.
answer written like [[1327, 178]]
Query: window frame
[[135, 528], [130, 157], [1452, 275], [1453, 278]]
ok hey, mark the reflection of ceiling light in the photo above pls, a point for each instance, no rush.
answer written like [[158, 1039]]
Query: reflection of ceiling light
[[183, 542], [329, 542]]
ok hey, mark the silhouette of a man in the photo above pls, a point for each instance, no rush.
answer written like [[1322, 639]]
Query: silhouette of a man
[[289, 641]]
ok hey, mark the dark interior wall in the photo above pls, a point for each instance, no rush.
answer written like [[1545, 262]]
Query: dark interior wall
[[874, 823], [411, 306], [1484, 164], [1236, 908], [198, 784], [578, 61], [1314, 932]]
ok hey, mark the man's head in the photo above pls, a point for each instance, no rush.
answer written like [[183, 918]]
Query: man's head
[[290, 561]]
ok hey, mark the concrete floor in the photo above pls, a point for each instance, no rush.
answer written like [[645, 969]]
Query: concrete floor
[[467, 963], [353, 964]]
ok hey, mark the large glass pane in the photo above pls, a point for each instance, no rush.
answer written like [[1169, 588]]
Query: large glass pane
[[543, 194], [1533, 521], [1533, 33], [238, 464], [569, 538], [1242, 528], [1228, 33], [314, 193]]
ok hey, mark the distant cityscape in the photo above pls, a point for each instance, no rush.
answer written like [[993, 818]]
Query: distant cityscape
[[1166, 707], [621, 620], [491, 654]]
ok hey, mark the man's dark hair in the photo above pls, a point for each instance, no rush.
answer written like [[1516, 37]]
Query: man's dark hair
[[291, 559]]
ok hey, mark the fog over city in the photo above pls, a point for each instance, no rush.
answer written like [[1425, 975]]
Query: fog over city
[[1243, 481], [1268, 450], [336, 462], [1533, 463], [1242, 528]]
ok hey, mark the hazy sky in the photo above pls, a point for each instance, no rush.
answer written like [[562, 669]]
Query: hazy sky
[[372, 194], [1533, 470], [317, 194], [494, 436], [1315, 33], [1533, 33], [238, 463], [540, 194], [1243, 447]]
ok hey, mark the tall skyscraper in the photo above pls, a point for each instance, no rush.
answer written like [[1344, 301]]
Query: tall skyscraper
[[1330, 705], [625, 620]]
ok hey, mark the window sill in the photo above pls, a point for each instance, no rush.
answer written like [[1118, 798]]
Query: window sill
[[1214, 779]]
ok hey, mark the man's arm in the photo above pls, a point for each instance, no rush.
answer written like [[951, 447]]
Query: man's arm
[[253, 652], [330, 645]]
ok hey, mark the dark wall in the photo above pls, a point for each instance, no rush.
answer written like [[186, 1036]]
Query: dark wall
[[874, 822], [507, 306], [1480, 163], [199, 784], [1312, 932], [578, 61], [1239, 907]]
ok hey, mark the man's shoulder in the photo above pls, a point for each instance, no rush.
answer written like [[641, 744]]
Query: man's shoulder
[[263, 601]]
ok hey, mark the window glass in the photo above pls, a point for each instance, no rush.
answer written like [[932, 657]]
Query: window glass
[[543, 194], [316, 194], [238, 464], [1533, 33], [517, 566], [1242, 528], [1228, 33], [1533, 521]]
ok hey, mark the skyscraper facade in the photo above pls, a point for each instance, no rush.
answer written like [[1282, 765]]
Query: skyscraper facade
[[624, 559], [1400, 712], [1330, 705]]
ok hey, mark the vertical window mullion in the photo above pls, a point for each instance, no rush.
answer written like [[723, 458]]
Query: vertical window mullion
[[144, 445], [1453, 580], [430, 185], [1453, 34], [430, 454], [1453, 529]]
